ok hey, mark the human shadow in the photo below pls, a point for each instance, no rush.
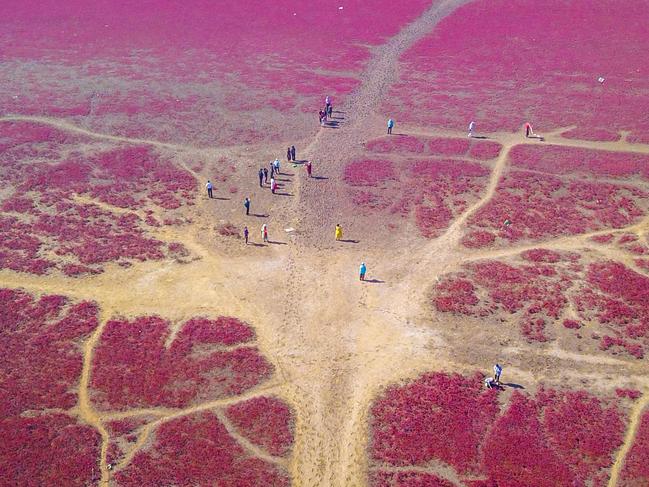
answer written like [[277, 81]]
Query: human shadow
[[220, 198], [480, 137], [259, 215], [374, 281], [539, 137], [257, 244], [513, 386], [348, 240], [276, 242], [333, 124], [301, 161], [319, 177], [284, 194]]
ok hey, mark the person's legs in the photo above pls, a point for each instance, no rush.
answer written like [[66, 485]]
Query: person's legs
[[247, 210], [209, 192]]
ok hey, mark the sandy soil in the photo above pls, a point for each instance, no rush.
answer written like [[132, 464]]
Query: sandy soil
[[335, 342]]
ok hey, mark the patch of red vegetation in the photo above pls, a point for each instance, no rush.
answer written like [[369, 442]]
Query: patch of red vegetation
[[552, 438], [40, 354], [455, 295], [369, 172], [559, 160], [396, 145], [477, 239], [436, 191], [537, 293], [41, 362], [503, 89], [617, 297], [630, 393], [534, 292], [133, 368], [588, 133], [436, 146], [265, 421], [380, 478], [46, 227], [197, 450], [540, 206], [51, 449], [571, 324], [448, 147], [123, 435], [126, 71], [418, 422], [603, 239], [484, 150]]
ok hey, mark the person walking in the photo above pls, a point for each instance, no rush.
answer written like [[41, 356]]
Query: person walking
[[273, 185], [209, 188], [528, 130], [362, 270], [471, 128], [272, 171], [261, 178], [308, 168], [266, 175], [330, 110], [245, 234], [288, 154], [246, 203], [497, 371], [339, 232], [321, 115], [390, 126], [264, 232], [276, 165], [293, 152], [327, 103]]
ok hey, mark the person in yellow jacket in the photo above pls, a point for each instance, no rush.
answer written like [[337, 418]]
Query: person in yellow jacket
[[339, 232]]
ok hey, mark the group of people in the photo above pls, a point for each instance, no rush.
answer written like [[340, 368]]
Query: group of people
[[494, 383], [264, 233], [472, 125], [327, 112], [290, 154]]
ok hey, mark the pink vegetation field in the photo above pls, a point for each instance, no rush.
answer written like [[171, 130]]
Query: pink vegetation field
[[432, 180], [552, 191], [47, 225], [555, 295], [505, 63], [44, 441], [200, 72], [454, 431]]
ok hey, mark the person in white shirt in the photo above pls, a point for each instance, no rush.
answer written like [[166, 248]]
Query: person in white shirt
[[276, 166], [209, 188], [471, 128]]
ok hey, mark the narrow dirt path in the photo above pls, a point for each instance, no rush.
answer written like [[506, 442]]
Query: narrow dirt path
[[629, 438]]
